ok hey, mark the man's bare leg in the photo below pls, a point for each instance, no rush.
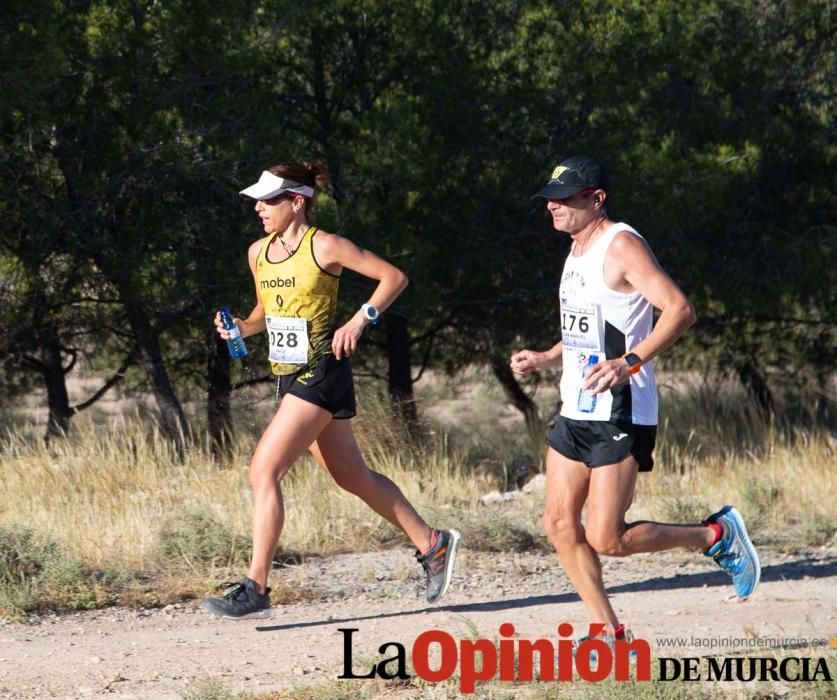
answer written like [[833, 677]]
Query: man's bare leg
[[567, 484], [609, 492]]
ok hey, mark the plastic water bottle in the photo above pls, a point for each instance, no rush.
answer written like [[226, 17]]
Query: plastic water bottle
[[586, 397], [235, 343]]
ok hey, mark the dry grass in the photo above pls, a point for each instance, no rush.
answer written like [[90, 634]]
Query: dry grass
[[105, 493], [780, 494], [124, 497], [120, 499], [715, 448]]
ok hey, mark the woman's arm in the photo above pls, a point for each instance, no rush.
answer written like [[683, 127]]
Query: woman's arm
[[254, 323], [334, 253]]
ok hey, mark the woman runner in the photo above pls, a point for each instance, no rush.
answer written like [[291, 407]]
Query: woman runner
[[296, 269]]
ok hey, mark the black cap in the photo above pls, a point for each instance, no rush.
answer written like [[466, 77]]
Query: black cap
[[572, 175]]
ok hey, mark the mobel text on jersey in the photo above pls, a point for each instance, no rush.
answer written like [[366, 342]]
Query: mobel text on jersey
[[277, 282]]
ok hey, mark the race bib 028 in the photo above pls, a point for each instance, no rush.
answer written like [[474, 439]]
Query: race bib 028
[[288, 338]]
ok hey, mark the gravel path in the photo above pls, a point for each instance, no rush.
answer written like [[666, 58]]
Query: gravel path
[[150, 654]]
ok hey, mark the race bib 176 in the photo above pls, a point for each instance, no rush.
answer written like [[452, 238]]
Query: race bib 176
[[580, 326]]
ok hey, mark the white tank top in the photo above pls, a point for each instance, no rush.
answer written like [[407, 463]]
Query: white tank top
[[597, 320]]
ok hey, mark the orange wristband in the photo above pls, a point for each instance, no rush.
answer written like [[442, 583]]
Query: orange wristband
[[635, 368]]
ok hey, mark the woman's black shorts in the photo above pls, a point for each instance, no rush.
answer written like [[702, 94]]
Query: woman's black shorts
[[597, 443], [327, 384]]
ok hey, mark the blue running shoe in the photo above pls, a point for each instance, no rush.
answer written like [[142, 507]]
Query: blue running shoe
[[735, 553], [610, 639]]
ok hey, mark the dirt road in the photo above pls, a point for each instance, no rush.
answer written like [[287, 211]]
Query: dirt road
[[151, 654]]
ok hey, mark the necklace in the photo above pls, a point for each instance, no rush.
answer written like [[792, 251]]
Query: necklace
[[289, 251]]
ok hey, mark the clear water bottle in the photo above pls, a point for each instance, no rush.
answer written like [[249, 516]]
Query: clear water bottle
[[586, 397], [235, 343]]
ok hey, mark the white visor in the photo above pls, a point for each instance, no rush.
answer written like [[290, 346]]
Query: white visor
[[269, 185]]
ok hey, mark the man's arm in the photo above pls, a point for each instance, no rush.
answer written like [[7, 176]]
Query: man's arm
[[527, 361], [630, 265]]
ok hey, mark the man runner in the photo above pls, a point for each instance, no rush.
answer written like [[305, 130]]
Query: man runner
[[605, 434]]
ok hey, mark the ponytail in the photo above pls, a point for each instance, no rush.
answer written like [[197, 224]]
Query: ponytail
[[304, 172], [314, 175]]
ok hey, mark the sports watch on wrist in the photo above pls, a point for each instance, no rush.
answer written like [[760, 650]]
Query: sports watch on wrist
[[371, 312], [633, 361]]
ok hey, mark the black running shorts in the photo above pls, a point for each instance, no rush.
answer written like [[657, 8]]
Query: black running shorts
[[327, 384], [597, 443]]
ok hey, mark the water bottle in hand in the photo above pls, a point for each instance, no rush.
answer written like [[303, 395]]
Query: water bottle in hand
[[586, 397], [235, 342]]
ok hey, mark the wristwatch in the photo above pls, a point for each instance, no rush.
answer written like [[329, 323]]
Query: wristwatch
[[371, 312], [634, 362]]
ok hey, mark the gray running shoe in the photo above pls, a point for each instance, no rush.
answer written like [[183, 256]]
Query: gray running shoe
[[735, 553], [438, 563], [242, 602]]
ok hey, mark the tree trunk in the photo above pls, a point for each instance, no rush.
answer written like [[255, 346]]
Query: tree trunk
[[52, 367], [172, 418], [399, 377], [535, 425], [219, 415], [752, 377]]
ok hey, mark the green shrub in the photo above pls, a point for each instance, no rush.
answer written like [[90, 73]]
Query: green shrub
[[211, 689], [34, 571], [197, 538], [762, 504], [496, 533], [683, 509]]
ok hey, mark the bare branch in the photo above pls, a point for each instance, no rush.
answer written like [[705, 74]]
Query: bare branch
[[115, 378]]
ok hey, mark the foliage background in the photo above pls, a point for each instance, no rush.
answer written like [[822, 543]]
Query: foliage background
[[128, 126]]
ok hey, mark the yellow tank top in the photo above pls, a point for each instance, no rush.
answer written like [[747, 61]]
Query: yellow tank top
[[300, 305]]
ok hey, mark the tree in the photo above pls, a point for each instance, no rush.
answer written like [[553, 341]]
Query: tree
[[55, 308], [132, 124]]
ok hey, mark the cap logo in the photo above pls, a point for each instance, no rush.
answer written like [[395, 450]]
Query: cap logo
[[559, 170]]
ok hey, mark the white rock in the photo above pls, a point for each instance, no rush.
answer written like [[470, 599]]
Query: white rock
[[491, 497], [538, 483]]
